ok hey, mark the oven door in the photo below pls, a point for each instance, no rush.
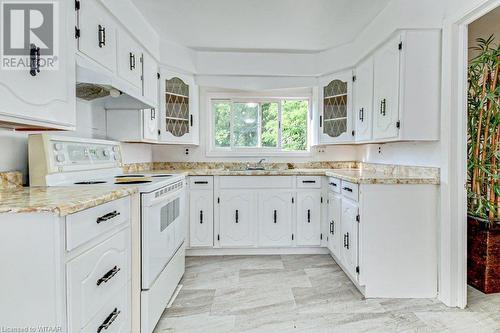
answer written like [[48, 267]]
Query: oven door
[[160, 239]]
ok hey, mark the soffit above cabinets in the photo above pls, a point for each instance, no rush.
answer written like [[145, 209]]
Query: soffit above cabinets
[[273, 25]]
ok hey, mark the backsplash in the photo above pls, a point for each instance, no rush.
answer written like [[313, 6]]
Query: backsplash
[[10, 179]]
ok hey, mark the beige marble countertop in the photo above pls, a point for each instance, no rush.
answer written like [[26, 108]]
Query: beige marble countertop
[[59, 200], [358, 176]]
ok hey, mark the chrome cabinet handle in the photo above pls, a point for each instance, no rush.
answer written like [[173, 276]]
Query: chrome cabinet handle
[[101, 36], [34, 60], [153, 114], [109, 275], [107, 217], [362, 114], [109, 320]]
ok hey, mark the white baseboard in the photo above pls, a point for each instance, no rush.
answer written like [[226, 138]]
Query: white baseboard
[[255, 251]]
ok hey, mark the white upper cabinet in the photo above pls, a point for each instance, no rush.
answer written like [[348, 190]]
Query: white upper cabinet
[[179, 105], [150, 124], [237, 218], [407, 71], [309, 218], [386, 90], [97, 33], [129, 56], [335, 119], [275, 222], [39, 96], [150, 85], [363, 100]]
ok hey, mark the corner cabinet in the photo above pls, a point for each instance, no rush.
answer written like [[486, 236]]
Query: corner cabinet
[[39, 97], [179, 105], [335, 118]]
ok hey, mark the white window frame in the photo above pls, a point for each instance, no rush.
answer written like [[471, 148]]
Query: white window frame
[[214, 151]]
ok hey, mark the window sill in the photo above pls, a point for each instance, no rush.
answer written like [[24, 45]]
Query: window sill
[[260, 153]]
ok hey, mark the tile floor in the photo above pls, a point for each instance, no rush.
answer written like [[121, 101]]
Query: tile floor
[[305, 293]]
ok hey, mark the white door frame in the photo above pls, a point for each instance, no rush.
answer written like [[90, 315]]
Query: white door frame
[[453, 229]]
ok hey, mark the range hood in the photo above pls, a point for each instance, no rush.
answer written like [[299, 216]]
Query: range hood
[[93, 82]]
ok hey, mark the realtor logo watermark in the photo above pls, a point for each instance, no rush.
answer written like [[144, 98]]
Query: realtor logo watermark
[[30, 35]]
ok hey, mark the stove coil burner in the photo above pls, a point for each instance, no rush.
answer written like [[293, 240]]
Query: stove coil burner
[[129, 176], [90, 182], [134, 182]]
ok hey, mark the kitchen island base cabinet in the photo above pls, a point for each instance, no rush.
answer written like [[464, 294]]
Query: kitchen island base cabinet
[[70, 289], [275, 219], [309, 218], [237, 218]]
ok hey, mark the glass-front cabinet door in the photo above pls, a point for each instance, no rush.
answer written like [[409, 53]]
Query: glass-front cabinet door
[[335, 119], [179, 123]]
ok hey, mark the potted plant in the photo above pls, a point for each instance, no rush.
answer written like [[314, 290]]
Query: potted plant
[[483, 190]]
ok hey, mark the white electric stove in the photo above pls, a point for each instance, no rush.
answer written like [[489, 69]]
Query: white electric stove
[[68, 161]]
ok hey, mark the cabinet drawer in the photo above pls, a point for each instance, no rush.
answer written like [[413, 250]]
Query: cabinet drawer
[[83, 226], [95, 277], [115, 315], [201, 183], [350, 190], [273, 182], [309, 182], [334, 184]]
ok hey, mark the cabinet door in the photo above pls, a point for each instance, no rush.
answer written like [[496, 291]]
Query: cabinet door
[[97, 34], [386, 90], [150, 79], [349, 227], [237, 216], [275, 222], [334, 220], [335, 120], [150, 124], [129, 59], [308, 218], [179, 106], [46, 97], [201, 224], [363, 100]]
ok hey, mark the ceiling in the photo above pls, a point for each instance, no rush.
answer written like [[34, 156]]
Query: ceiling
[[260, 25]]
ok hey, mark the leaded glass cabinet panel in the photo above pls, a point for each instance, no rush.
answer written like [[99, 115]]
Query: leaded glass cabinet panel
[[179, 104], [336, 113]]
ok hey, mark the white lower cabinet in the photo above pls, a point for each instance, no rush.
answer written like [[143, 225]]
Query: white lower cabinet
[[334, 218], [308, 218], [275, 219], [201, 218], [80, 285], [349, 232], [237, 218]]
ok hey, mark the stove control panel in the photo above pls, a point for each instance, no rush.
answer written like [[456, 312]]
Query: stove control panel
[[78, 153]]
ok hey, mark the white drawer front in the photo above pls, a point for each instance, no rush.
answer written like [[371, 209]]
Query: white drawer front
[[201, 182], [113, 317], [83, 226], [350, 190], [334, 184], [309, 182], [95, 277], [273, 182]]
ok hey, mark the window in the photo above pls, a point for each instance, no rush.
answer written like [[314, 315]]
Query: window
[[267, 125]]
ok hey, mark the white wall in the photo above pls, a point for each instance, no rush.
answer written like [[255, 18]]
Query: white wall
[[405, 153]]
